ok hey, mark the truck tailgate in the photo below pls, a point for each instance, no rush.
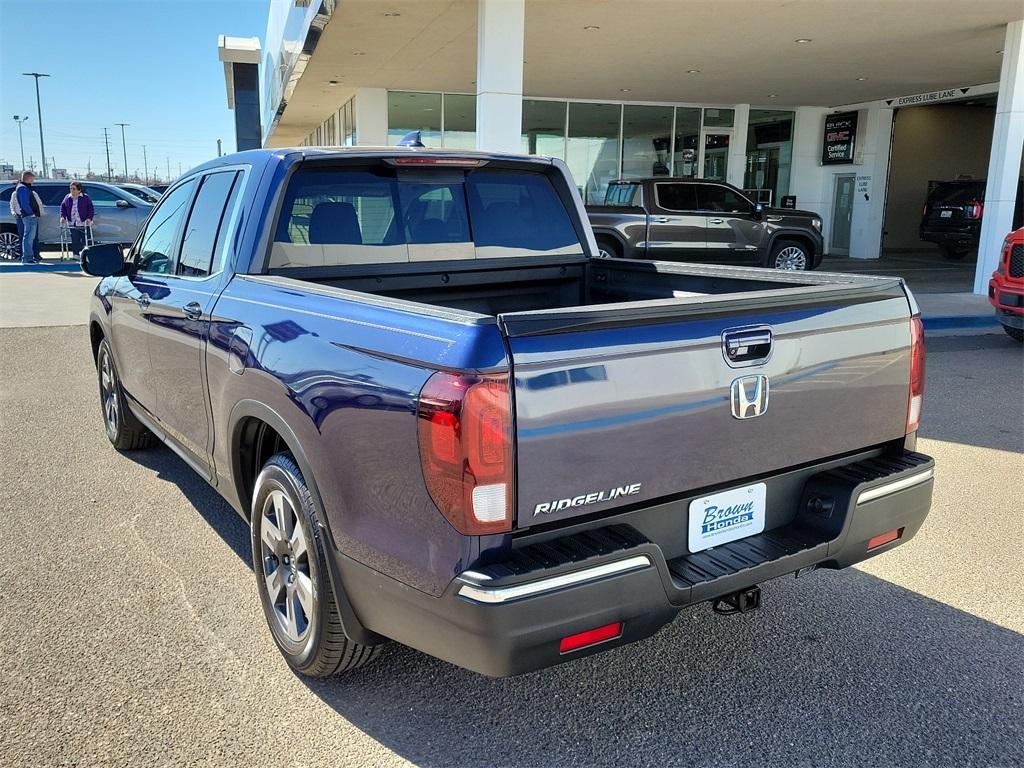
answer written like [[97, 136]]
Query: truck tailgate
[[618, 407]]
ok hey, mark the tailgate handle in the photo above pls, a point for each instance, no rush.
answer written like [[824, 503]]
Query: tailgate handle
[[747, 346]]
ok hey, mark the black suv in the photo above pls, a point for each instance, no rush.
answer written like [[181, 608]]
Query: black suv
[[671, 219], [952, 216]]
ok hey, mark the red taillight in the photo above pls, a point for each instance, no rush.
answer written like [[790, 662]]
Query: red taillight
[[974, 209], [590, 637], [884, 538], [465, 436], [916, 398]]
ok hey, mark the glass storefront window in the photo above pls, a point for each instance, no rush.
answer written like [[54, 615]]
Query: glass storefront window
[[715, 117], [543, 128], [459, 121], [685, 155], [409, 111], [769, 154], [332, 136], [646, 141], [592, 148]]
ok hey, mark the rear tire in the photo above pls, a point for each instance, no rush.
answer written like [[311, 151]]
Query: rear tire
[[608, 248], [10, 244], [1016, 334], [123, 430], [290, 560], [789, 255]]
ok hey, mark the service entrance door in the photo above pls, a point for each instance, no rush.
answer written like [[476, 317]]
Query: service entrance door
[[842, 215], [714, 156]]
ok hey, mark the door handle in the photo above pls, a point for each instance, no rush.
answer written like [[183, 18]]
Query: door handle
[[716, 221], [661, 220], [142, 301], [193, 310]]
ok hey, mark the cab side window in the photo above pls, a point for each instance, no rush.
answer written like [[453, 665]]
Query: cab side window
[[156, 246], [721, 200], [676, 197], [205, 223]]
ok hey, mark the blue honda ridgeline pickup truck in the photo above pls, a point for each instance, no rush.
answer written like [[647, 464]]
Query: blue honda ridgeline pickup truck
[[450, 424]]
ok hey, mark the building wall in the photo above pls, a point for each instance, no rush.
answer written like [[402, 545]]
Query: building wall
[[941, 142]]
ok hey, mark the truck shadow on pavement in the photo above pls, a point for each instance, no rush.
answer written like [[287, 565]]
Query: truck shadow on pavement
[[838, 668]]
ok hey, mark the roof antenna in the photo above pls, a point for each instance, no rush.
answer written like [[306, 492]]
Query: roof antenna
[[412, 139]]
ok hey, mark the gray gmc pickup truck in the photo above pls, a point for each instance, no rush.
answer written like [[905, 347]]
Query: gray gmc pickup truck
[[449, 424], [703, 221]]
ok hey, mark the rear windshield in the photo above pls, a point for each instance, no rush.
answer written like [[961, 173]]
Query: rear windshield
[[380, 214], [958, 192]]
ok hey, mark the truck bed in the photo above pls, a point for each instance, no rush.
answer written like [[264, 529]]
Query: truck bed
[[504, 286]]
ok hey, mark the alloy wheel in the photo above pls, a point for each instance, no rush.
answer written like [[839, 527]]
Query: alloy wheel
[[108, 395], [791, 258], [10, 246], [285, 557]]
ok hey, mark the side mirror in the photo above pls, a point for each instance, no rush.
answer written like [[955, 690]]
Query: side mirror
[[123, 204], [102, 260]]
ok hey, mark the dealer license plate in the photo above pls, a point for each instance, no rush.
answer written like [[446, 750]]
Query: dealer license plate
[[726, 516], [946, 214]]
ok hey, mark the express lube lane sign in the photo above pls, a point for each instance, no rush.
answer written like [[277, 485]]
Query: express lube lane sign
[[840, 136], [932, 97]]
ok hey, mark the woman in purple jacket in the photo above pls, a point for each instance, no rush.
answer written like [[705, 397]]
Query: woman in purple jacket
[[77, 211]]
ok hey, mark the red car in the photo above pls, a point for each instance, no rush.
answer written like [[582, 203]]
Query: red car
[[1006, 288]]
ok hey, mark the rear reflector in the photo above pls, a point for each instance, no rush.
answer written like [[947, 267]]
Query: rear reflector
[[590, 637], [884, 538]]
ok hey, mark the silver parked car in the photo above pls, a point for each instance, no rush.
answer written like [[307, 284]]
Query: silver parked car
[[141, 191], [119, 214]]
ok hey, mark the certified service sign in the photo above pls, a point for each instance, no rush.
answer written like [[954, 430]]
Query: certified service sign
[[726, 516], [840, 135]]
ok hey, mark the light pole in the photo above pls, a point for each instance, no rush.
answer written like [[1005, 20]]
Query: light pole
[[124, 151], [39, 110], [21, 141], [145, 164]]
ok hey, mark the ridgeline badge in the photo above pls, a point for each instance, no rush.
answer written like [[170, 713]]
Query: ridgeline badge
[[550, 507]]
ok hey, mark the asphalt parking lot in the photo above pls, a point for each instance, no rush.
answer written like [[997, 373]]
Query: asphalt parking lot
[[131, 634]]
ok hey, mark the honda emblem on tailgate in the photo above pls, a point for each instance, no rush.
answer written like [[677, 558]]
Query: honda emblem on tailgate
[[749, 396]]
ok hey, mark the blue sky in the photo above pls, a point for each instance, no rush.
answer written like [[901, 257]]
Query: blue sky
[[150, 63]]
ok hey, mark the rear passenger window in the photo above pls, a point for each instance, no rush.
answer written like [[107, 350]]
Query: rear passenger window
[[50, 194], [204, 224], [676, 197], [712, 197]]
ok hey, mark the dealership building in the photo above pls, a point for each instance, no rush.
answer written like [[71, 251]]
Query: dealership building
[[852, 110]]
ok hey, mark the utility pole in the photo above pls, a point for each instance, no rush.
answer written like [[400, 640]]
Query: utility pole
[[219, 153], [168, 170], [124, 151], [39, 109], [179, 169], [19, 121], [145, 163], [106, 144]]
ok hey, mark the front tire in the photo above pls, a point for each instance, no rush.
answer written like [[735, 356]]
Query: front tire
[[790, 255], [1016, 334], [953, 254], [292, 577], [608, 248], [123, 429]]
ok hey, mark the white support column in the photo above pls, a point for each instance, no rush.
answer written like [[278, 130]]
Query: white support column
[[371, 106], [807, 175], [499, 74], [869, 189], [1004, 164], [737, 167]]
